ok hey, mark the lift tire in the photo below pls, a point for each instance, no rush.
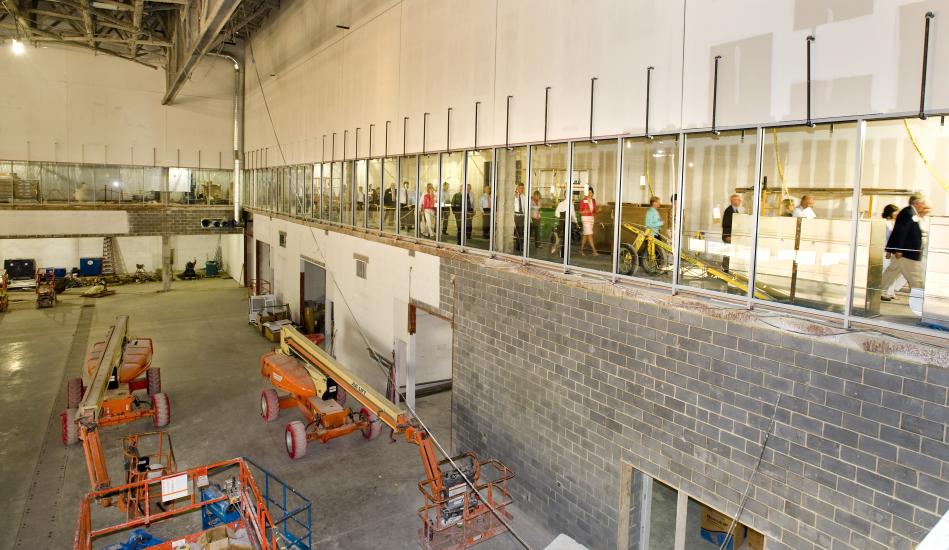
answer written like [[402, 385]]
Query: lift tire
[[651, 267], [341, 397], [374, 428], [295, 438], [269, 405], [162, 410], [628, 259], [73, 392], [69, 426], [153, 376]]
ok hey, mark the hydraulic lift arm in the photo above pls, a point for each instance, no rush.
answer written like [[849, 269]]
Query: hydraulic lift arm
[[295, 344]]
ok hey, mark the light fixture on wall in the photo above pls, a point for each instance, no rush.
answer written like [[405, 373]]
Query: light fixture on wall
[[17, 47]]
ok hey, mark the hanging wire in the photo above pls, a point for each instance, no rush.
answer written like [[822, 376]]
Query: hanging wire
[[377, 359]]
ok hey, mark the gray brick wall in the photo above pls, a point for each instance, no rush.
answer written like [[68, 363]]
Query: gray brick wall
[[563, 382], [177, 221]]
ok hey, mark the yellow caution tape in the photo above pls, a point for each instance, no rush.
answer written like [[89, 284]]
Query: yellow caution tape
[[922, 157]]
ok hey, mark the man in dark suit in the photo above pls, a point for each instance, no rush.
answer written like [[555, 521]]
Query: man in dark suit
[[905, 246], [734, 207], [456, 208]]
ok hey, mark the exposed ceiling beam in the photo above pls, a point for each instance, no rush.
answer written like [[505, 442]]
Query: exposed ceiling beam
[[213, 22], [14, 10], [137, 23]]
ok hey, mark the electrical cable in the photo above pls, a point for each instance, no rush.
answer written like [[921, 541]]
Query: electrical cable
[[378, 361], [744, 497]]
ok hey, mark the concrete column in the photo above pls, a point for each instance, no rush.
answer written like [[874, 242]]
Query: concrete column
[[167, 263]]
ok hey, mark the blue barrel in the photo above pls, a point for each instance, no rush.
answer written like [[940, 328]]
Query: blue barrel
[[59, 272], [90, 267], [210, 268]]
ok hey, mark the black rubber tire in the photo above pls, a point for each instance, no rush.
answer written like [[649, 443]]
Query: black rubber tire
[[269, 405], [73, 392], [162, 410], [628, 259], [295, 439], [153, 375], [649, 266]]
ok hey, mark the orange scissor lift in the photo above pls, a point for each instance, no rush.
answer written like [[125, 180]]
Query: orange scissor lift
[[247, 511], [455, 514], [105, 395]]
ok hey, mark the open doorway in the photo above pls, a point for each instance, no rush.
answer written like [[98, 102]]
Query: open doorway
[[432, 354], [312, 297], [264, 272], [250, 252]]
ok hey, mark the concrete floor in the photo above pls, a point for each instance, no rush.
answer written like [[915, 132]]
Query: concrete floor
[[364, 494]]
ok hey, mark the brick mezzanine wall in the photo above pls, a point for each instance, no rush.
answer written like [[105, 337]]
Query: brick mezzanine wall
[[178, 220], [562, 383]]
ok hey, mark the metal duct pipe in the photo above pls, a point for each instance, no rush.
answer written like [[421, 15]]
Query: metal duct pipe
[[238, 131]]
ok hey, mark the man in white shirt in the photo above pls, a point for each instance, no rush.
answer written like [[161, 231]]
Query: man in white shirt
[[520, 209], [486, 213], [804, 209]]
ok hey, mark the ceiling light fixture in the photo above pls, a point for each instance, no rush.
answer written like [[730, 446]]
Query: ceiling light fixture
[[17, 47]]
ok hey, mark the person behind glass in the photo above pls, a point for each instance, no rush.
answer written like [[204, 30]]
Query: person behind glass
[[804, 209], [587, 211], [388, 203], [535, 217], [82, 193], [653, 220], [485, 205], [406, 202], [445, 207], [360, 198], [457, 207], [520, 208], [905, 245], [428, 212], [787, 208], [734, 207], [890, 212], [566, 205]]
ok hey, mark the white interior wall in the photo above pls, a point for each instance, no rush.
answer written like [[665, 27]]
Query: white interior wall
[[406, 58], [67, 105], [66, 252], [379, 302]]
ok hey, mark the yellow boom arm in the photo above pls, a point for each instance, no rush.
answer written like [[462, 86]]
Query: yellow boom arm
[[99, 381]]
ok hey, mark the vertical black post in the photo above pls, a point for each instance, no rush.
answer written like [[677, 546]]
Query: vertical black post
[[345, 139], [448, 133], [922, 86], [356, 156], [507, 124], [405, 125], [424, 130], [715, 96], [477, 104], [385, 152], [370, 141], [648, 88], [546, 111], [323, 150], [810, 39], [333, 151], [592, 90]]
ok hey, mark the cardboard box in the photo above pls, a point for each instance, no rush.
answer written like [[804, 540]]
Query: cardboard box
[[714, 527], [755, 540]]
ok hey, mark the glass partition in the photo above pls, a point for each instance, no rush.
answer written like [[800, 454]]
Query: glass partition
[[478, 232], [806, 215], [346, 195], [326, 190], [336, 179], [716, 227], [511, 182], [545, 204], [902, 264], [389, 195], [409, 213], [594, 190], [429, 197], [314, 207], [452, 198], [374, 195], [360, 196], [648, 207]]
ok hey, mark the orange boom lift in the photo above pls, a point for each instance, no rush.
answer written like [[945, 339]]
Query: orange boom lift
[[105, 395], [465, 499]]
